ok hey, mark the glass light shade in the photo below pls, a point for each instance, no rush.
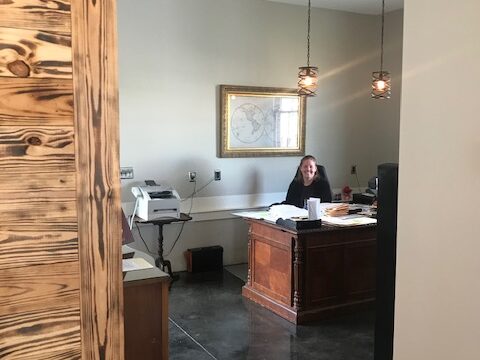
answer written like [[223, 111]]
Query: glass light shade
[[381, 85], [307, 80]]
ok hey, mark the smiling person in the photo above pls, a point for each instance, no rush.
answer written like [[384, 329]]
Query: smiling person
[[308, 183]]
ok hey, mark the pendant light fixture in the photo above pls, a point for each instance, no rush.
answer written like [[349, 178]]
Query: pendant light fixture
[[381, 80], [307, 75]]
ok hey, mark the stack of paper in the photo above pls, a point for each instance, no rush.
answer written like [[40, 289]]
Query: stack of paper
[[287, 212], [348, 220], [276, 212]]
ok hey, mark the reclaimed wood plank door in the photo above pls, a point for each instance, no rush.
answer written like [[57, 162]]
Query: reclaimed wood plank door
[[60, 255]]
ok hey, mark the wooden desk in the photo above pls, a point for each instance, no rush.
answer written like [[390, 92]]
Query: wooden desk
[[310, 274], [145, 299]]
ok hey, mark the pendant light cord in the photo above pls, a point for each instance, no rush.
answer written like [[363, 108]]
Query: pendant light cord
[[308, 36], [381, 46]]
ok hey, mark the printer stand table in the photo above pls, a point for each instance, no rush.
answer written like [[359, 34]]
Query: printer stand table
[[160, 262]]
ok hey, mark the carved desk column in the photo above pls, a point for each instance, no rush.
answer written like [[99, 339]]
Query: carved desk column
[[298, 273], [249, 273]]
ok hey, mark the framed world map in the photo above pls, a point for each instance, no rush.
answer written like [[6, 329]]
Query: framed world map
[[261, 121]]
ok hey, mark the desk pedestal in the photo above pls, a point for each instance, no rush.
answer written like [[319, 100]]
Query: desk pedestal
[[310, 274]]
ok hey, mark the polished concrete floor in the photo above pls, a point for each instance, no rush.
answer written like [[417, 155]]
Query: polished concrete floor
[[209, 319]]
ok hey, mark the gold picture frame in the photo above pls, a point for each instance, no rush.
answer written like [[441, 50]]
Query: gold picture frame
[[261, 121]]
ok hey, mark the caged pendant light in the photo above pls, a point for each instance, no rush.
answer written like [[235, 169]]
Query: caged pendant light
[[381, 80], [307, 75]]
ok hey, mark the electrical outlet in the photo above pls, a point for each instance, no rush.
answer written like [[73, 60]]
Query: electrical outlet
[[217, 175], [192, 176], [353, 169], [126, 173]]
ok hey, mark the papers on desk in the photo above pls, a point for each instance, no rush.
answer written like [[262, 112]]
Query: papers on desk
[[288, 212], [276, 212], [348, 220], [135, 264], [291, 212]]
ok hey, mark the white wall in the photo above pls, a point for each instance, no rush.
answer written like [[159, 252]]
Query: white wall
[[438, 289], [174, 54]]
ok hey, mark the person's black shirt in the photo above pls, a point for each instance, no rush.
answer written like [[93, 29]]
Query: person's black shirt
[[297, 192]]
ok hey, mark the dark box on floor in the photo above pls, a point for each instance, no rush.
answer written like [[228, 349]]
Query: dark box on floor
[[204, 259]]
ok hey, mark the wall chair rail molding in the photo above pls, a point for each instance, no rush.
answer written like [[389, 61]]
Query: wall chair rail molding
[[221, 207], [261, 121]]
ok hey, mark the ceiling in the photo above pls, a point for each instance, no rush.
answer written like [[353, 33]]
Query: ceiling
[[371, 7]]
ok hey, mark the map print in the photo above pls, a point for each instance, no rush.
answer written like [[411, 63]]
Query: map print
[[247, 123], [263, 122]]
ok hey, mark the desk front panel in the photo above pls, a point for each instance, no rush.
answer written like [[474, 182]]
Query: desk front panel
[[340, 267], [270, 265]]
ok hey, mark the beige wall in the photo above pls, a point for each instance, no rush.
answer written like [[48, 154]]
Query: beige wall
[[438, 264], [174, 54], [385, 120]]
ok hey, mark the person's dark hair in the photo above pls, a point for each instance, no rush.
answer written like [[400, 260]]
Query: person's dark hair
[[299, 176]]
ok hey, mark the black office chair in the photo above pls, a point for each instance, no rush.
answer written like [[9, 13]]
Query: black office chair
[[322, 173]]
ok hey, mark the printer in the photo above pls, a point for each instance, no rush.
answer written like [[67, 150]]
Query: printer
[[156, 201]]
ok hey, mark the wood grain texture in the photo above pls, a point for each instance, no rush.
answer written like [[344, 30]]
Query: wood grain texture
[[98, 178], [54, 284], [46, 15], [38, 209], [36, 54], [40, 314], [33, 188], [30, 246], [273, 271], [49, 333], [27, 183], [36, 102], [36, 147]]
